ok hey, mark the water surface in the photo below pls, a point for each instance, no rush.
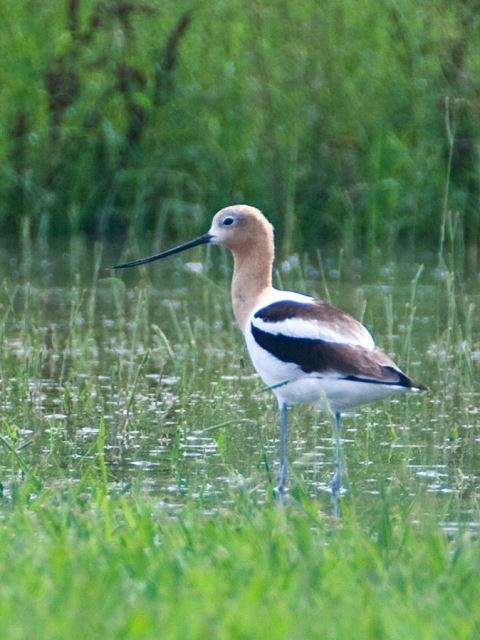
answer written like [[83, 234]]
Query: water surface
[[155, 355]]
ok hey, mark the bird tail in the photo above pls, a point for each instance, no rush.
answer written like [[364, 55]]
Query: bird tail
[[405, 381]]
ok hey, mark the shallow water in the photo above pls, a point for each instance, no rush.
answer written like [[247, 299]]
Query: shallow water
[[155, 354]]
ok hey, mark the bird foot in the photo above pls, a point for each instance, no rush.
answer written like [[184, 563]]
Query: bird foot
[[336, 483], [280, 495], [336, 489]]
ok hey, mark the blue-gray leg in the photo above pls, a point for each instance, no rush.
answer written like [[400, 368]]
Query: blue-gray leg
[[282, 474], [337, 476]]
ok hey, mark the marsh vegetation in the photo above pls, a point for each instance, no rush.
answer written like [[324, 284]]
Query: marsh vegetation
[[139, 453], [138, 449]]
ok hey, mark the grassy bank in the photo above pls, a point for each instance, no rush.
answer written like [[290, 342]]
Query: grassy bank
[[120, 567], [341, 121]]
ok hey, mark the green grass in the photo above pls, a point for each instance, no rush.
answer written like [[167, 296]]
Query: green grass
[[81, 564], [339, 121], [137, 451], [140, 507]]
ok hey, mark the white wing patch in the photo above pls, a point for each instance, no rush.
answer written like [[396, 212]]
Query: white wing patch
[[338, 327], [298, 328]]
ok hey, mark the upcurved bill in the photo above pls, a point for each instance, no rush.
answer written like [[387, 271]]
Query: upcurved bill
[[205, 239]]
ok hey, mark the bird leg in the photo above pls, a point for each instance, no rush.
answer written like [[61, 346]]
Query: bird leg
[[282, 474], [336, 484]]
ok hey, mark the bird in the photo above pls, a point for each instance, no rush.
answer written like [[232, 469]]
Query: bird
[[305, 350]]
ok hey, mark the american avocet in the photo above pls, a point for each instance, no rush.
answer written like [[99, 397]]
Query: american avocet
[[304, 349]]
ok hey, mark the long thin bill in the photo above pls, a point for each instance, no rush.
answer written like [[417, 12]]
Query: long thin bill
[[205, 239]]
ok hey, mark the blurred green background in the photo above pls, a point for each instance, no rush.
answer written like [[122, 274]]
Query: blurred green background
[[353, 122]]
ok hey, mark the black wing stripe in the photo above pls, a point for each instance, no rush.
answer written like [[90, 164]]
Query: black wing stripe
[[285, 309], [313, 310], [403, 380], [319, 356], [300, 351]]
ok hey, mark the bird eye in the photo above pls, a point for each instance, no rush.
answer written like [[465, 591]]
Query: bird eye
[[228, 221]]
